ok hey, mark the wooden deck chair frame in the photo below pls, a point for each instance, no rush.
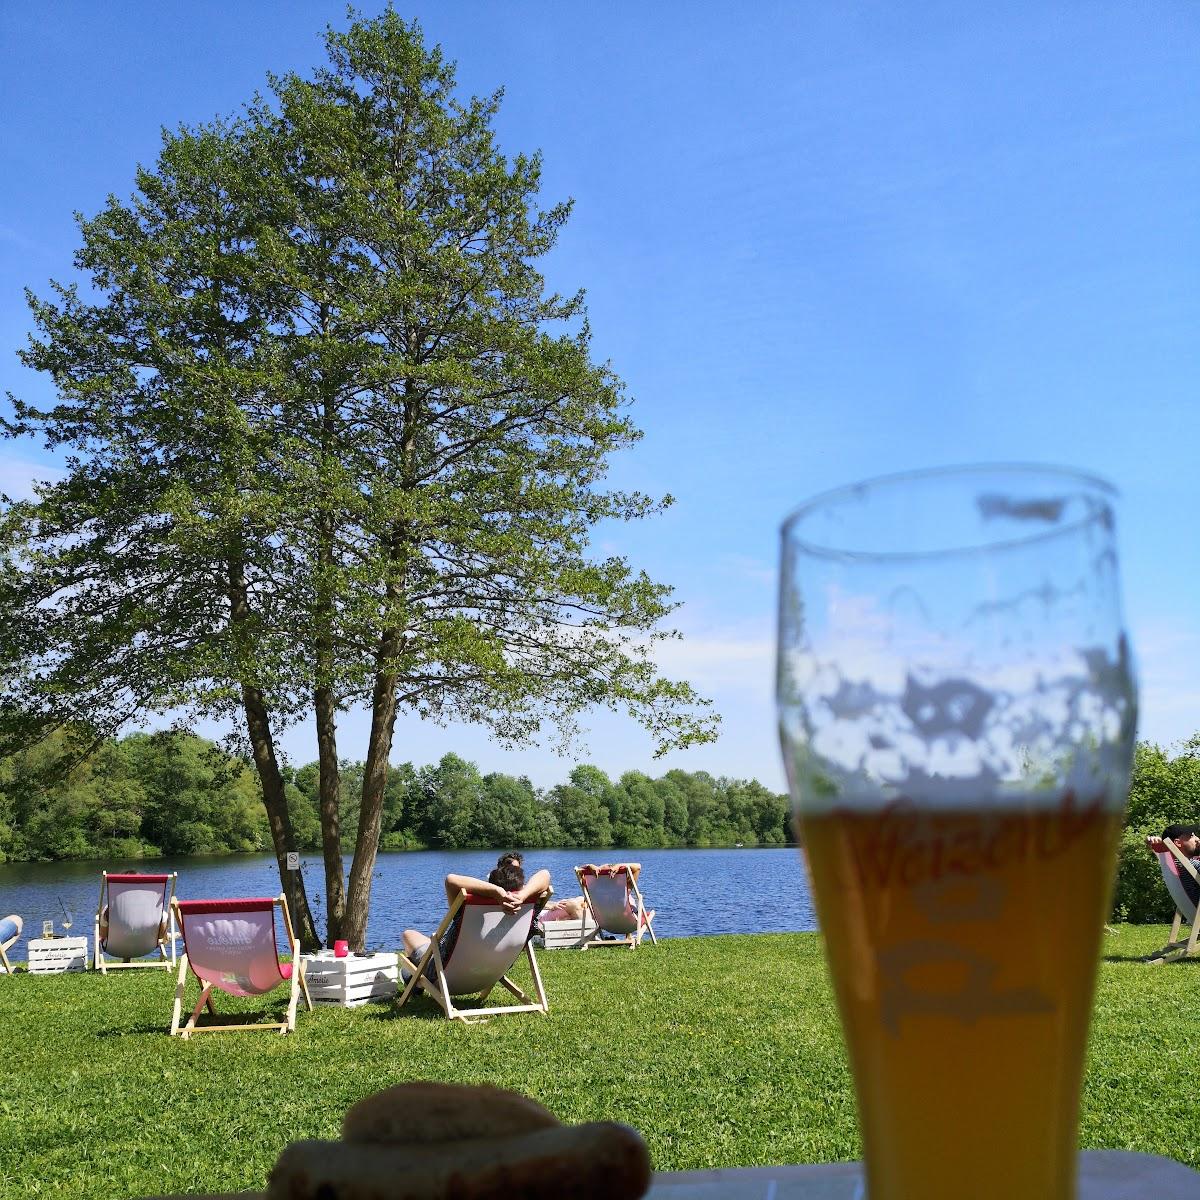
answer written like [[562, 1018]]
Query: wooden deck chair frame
[[103, 964], [10, 942], [437, 986], [298, 985], [1179, 947], [645, 919]]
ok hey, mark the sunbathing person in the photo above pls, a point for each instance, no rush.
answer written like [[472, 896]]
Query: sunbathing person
[[569, 908], [506, 883], [634, 869]]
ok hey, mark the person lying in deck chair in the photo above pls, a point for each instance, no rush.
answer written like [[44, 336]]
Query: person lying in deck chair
[[136, 905], [488, 925], [506, 882], [1187, 838], [1176, 852], [616, 904], [10, 935]]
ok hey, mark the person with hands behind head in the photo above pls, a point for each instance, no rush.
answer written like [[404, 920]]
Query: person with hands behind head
[[506, 883], [1187, 838]]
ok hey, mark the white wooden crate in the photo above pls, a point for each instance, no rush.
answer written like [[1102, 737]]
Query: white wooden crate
[[353, 980], [52, 956], [569, 934]]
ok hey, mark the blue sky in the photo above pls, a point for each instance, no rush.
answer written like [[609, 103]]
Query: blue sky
[[819, 243]]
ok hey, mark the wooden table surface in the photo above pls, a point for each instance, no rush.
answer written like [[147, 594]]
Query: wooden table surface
[[1103, 1175]]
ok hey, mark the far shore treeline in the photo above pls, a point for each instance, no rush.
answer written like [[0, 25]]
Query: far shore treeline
[[177, 794]]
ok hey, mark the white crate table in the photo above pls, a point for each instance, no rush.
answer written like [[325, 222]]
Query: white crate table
[[52, 956], [353, 980], [568, 934]]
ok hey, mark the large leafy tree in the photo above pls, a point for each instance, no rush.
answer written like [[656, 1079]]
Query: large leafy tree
[[335, 445], [143, 579]]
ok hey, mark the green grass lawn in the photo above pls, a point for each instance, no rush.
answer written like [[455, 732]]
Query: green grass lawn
[[723, 1051]]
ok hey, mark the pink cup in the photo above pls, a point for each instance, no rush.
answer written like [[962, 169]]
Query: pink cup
[[341, 948]]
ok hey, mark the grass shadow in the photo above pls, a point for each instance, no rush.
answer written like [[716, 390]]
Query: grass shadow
[[421, 1008]]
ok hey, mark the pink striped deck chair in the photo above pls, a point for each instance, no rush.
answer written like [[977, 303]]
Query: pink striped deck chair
[[10, 935], [1172, 862], [615, 902], [485, 943], [132, 921], [230, 946]]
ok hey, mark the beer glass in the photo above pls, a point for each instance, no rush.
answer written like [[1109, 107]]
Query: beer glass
[[957, 712]]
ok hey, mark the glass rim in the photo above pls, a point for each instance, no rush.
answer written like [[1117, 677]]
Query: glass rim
[[789, 535]]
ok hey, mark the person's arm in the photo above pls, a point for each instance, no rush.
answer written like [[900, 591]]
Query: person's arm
[[477, 887], [534, 886]]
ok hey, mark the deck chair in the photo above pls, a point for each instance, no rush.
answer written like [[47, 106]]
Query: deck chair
[[616, 905], [486, 941], [1172, 862], [230, 946], [10, 935], [138, 906]]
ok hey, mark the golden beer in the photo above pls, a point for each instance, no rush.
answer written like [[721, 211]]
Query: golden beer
[[957, 712], [964, 946]]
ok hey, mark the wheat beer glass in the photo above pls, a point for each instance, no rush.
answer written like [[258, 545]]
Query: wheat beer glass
[[957, 711]]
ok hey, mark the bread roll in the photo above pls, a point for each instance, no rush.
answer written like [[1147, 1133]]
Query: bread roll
[[601, 1161], [421, 1114]]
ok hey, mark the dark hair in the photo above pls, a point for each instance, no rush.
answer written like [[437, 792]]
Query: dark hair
[[1175, 832], [508, 872]]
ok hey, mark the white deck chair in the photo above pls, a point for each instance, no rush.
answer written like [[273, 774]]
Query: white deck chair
[[486, 943], [616, 905], [10, 935], [1173, 862], [230, 945], [137, 921]]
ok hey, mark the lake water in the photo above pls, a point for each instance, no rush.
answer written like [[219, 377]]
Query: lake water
[[695, 892]]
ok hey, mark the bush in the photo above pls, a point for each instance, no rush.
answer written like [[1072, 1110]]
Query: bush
[[1139, 895]]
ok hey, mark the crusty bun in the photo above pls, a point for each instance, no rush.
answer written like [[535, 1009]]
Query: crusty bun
[[422, 1114], [601, 1161]]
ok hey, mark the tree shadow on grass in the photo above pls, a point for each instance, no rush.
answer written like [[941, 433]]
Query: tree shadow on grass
[[126, 1030], [418, 1007], [243, 1021], [422, 1008]]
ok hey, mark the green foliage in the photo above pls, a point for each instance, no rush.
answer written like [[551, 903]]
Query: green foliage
[[712, 1075], [177, 794], [150, 794], [581, 807]]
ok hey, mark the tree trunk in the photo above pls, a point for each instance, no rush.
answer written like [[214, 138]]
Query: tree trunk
[[370, 816], [383, 707], [262, 744], [331, 826], [275, 801], [324, 703]]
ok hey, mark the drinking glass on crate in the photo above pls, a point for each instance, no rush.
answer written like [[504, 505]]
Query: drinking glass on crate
[[957, 711]]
